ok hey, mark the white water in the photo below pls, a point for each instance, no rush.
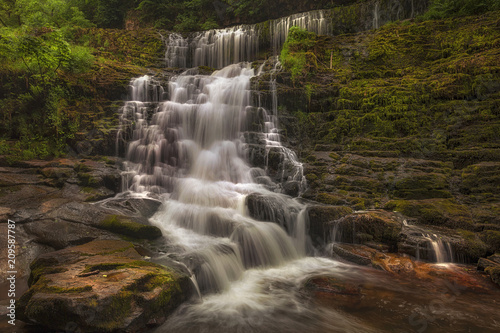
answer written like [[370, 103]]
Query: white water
[[189, 149], [442, 250], [218, 48]]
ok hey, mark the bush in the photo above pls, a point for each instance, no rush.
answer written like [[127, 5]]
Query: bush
[[80, 60]]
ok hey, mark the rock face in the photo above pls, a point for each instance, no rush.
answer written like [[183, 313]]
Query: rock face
[[101, 286], [378, 226], [321, 219], [370, 137], [491, 265], [49, 201]]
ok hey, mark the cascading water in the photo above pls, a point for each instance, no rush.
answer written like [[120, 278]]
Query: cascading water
[[221, 47], [315, 21], [186, 145], [428, 245], [213, 48], [190, 149]]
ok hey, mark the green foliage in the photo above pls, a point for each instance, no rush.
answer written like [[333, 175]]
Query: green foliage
[[439, 9], [179, 15], [42, 56], [51, 13], [80, 60], [111, 13]]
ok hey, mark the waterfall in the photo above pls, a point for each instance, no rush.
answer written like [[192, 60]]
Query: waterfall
[[314, 21], [218, 48], [426, 245], [186, 143], [441, 249], [376, 16], [215, 48]]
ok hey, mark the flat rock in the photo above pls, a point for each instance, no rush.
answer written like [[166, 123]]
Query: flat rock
[[61, 234], [101, 286]]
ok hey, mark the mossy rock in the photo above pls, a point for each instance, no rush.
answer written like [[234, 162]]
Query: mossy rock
[[358, 228], [492, 239], [330, 199], [437, 212], [320, 218], [101, 286], [471, 248], [422, 186], [494, 273], [125, 226]]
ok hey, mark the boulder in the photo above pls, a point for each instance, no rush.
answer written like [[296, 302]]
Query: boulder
[[321, 219], [60, 234], [123, 225], [491, 265], [101, 286], [361, 227], [272, 208]]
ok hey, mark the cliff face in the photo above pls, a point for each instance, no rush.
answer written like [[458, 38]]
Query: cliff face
[[405, 118]]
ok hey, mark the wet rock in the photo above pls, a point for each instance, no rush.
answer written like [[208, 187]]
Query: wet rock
[[383, 226], [495, 257], [98, 173], [101, 286], [256, 155], [340, 252], [329, 290], [61, 234], [27, 250], [421, 242], [484, 263], [123, 225], [494, 273], [271, 208], [133, 206], [368, 256], [321, 219], [97, 194], [291, 188], [103, 218], [78, 212], [491, 265]]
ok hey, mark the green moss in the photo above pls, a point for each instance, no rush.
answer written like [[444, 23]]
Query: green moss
[[330, 199], [296, 56], [119, 265], [492, 239], [438, 212], [122, 225], [86, 179], [473, 248]]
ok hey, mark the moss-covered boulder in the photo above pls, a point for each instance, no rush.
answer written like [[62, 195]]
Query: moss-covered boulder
[[437, 212], [491, 266], [377, 226], [472, 247], [101, 286], [125, 226]]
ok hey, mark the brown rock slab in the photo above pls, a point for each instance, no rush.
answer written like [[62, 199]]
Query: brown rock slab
[[125, 294]]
